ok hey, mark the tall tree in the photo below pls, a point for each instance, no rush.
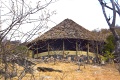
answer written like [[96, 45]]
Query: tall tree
[[111, 20], [114, 7]]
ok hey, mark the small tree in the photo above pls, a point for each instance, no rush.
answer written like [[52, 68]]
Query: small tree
[[108, 56], [110, 45]]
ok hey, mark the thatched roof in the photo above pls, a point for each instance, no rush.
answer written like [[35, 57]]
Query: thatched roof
[[67, 29]]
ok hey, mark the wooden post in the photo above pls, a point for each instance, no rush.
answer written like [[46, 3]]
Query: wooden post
[[97, 58], [96, 49], [32, 54], [88, 52], [48, 50], [37, 51], [63, 48], [76, 47]]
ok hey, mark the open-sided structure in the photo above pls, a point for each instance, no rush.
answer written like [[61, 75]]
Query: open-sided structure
[[67, 35]]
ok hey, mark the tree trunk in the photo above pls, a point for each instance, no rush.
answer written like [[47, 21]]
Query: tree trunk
[[117, 47], [117, 41]]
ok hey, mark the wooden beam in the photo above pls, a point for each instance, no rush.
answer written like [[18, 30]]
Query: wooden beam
[[97, 49], [76, 47], [48, 49], [88, 52], [37, 51], [97, 57], [63, 48], [32, 54]]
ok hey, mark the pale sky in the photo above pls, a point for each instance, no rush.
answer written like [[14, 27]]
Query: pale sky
[[87, 13]]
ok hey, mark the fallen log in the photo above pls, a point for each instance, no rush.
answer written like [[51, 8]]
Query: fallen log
[[44, 69]]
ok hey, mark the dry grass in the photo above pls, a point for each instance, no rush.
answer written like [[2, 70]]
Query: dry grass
[[70, 72]]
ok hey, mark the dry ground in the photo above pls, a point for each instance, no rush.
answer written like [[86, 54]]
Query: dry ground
[[70, 72]]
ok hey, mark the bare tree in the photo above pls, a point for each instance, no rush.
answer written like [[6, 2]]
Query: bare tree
[[114, 7], [15, 16]]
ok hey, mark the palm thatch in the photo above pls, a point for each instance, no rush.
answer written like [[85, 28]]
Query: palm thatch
[[67, 29]]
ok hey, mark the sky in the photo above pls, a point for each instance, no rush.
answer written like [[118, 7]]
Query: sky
[[86, 13]]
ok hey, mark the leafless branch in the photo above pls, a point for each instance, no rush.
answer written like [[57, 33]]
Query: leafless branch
[[15, 16]]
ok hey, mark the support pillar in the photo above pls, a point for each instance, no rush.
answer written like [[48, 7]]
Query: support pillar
[[76, 47], [48, 49], [88, 52], [63, 48], [96, 49], [32, 54], [37, 51], [97, 57]]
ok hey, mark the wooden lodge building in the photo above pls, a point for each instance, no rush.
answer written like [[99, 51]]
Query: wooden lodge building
[[67, 36]]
